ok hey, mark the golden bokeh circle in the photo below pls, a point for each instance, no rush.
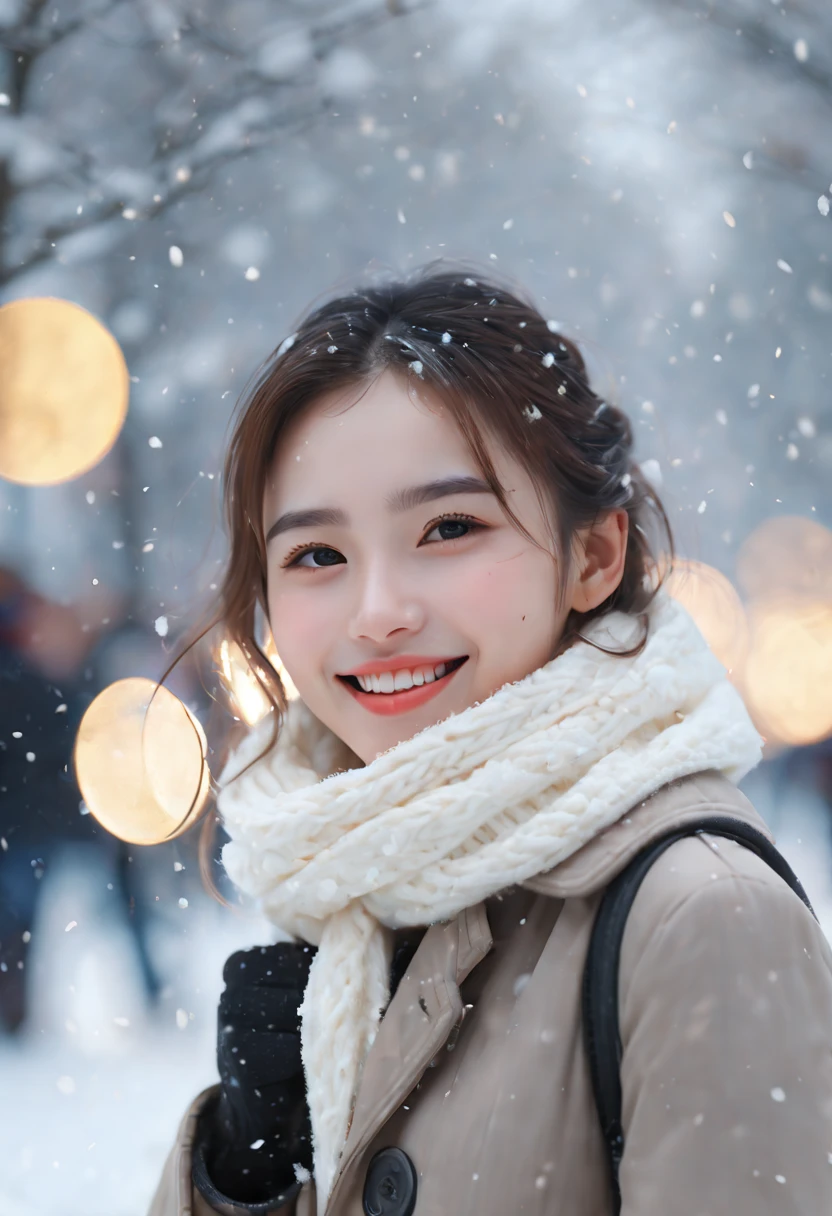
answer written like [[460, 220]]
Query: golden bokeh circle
[[788, 675], [716, 608], [63, 391], [787, 555], [140, 762]]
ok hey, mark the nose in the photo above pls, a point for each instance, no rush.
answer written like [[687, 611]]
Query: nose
[[385, 606]]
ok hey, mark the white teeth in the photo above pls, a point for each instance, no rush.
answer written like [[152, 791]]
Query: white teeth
[[388, 681]]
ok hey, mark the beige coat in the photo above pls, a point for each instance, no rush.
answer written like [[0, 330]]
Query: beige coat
[[726, 1022]]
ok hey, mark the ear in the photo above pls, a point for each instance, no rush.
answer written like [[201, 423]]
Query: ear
[[599, 560]]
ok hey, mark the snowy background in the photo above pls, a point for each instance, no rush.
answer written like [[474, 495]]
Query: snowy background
[[197, 173]]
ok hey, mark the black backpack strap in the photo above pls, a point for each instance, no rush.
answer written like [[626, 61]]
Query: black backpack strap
[[600, 980]]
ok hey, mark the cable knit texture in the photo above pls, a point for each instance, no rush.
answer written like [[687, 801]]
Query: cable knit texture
[[491, 796]]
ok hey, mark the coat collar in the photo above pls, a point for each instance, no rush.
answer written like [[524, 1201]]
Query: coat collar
[[595, 865], [416, 1025]]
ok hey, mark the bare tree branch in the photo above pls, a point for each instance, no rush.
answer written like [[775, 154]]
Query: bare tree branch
[[772, 41], [183, 161]]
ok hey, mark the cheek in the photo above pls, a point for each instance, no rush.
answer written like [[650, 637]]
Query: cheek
[[300, 627], [497, 595]]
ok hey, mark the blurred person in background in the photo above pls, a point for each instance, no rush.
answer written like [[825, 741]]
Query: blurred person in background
[[499, 708], [49, 669], [42, 649]]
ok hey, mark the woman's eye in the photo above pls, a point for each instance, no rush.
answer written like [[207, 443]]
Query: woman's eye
[[455, 527], [324, 557]]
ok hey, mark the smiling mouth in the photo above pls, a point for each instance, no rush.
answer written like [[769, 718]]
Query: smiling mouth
[[451, 666]]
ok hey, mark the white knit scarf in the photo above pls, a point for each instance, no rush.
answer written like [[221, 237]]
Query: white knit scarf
[[491, 796]]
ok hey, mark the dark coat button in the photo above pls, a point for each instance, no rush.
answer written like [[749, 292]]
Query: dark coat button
[[390, 1186]]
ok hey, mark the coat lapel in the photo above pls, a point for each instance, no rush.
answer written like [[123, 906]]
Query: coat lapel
[[418, 1021]]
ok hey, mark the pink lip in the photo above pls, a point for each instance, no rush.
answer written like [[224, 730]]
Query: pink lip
[[388, 703], [398, 662]]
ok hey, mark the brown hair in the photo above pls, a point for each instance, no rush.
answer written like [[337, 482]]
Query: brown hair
[[501, 368]]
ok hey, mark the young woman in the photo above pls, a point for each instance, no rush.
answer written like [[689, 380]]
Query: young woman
[[498, 709]]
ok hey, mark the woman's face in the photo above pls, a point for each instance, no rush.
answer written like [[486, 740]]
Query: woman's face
[[393, 574]]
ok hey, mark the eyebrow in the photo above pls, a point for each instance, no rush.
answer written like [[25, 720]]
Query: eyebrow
[[399, 501]]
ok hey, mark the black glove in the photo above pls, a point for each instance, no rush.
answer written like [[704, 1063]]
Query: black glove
[[263, 1091], [258, 1130]]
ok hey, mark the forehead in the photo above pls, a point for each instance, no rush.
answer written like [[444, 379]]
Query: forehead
[[389, 431]]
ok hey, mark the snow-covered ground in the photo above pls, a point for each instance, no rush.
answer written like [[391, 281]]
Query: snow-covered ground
[[94, 1090], [92, 1095]]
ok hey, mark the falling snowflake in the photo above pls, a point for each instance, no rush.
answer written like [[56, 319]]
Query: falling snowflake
[[176, 256], [651, 470]]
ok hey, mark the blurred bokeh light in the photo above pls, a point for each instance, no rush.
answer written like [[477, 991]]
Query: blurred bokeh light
[[63, 393], [788, 555], [788, 674], [248, 700], [140, 762], [715, 606], [270, 651]]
